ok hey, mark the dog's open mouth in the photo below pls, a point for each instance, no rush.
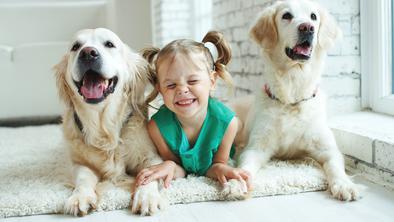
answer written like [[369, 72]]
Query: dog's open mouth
[[301, 51], [94, 88]]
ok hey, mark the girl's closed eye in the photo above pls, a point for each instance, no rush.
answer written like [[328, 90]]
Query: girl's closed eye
[[171, 86], [193, 81]]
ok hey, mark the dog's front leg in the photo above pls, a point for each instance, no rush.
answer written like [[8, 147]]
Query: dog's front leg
[[250, 160], [329, 156], [147, 199], [256, 154], [261, 146], [84, 195]]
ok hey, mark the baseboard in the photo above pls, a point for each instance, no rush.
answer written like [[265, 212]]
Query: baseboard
[[30, 121]]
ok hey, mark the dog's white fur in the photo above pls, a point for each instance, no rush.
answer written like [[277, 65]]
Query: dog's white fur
[[110, 144], [276, 128]]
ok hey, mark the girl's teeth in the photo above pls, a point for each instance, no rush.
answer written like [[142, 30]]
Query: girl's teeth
[[184, 102]]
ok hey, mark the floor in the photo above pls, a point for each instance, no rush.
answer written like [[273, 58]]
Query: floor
[[377, 205]]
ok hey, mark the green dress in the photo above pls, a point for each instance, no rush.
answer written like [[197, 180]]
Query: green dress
[[197, 159]]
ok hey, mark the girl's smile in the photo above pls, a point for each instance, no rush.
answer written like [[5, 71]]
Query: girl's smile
[[185, 83], [185, 102]]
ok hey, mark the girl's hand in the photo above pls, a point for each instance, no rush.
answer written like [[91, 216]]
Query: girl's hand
[[223, 172], [167, 170]]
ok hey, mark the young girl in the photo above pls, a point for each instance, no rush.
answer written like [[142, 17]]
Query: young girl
[[192, 131]]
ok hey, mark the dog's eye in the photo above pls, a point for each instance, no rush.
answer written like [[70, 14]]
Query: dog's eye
[[109, 44], [76, 46], [287, 16], [313, 16]]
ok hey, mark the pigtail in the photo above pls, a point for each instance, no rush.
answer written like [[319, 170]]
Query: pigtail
[[150, 54], [224, 55]]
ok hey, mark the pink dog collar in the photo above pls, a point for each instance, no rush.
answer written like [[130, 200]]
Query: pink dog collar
[[273, 97]]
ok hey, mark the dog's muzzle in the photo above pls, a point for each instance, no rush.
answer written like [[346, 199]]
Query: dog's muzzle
[[93, 86], [303, 49]]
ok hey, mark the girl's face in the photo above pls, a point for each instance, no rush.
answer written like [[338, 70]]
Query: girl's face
[[185, 84]]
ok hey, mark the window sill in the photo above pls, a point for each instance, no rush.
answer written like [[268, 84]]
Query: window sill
[[367, 140]]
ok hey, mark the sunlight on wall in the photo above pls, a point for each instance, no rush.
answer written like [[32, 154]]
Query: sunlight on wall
[[175, 19]]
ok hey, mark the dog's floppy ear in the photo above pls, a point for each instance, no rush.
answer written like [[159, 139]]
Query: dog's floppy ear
[[150, 55], [140, 76], [264, 30], [63, 88], [329, 30]]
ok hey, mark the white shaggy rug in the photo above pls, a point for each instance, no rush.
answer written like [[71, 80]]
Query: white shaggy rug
[[34, 176]]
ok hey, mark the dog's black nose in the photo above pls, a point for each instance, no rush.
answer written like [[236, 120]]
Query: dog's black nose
[[89, 59], [89, 54], [306, 28]]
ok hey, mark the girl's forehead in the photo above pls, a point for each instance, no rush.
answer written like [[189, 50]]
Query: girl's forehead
[[190, 63], [194, 59]]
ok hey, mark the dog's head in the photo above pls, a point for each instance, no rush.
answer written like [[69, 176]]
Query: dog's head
[[294, 30], [98, 66]]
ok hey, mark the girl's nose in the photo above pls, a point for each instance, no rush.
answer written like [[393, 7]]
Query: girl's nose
[[182, 90]]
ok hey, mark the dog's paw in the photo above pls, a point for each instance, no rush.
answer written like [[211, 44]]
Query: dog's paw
[[345, 190], [80, 203], [235, 190], [147, 200]]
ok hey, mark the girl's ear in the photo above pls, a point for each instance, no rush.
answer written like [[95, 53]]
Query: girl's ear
[[213, 77]]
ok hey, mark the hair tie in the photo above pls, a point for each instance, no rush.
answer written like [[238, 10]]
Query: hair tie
[[212, 49]]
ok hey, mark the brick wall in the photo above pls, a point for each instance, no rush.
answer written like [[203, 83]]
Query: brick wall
[[341, 78]]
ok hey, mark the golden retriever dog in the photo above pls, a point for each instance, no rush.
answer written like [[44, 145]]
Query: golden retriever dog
[[102, 83], [287, 119]]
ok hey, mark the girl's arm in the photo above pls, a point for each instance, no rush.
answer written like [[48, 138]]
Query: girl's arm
[[224, 149], [219, 169], [161, 145], [167, 170]]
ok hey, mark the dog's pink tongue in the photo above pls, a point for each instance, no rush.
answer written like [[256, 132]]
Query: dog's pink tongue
[[93, 89], [302, 50]]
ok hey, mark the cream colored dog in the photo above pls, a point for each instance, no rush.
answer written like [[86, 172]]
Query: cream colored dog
[[102, 82], [287, 119]]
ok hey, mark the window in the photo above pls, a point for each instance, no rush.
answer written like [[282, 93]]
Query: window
[[392, 47], [376, 55], [202, 18], [174, 19]]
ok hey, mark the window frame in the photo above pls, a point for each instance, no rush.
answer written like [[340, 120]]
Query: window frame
[[376, 55], [202, 18]]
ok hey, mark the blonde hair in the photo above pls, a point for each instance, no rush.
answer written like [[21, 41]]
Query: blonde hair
[[187, 46]]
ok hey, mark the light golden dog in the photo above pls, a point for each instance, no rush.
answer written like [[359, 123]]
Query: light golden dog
[[102, 83], [287, 118]]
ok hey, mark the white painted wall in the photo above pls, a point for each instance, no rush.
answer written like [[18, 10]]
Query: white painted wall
[[133, 22], [35, 35]]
